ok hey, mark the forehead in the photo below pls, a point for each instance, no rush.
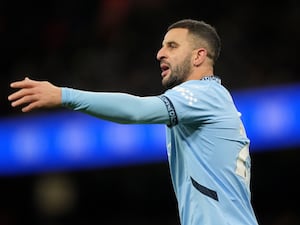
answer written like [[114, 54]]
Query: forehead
[[178, 35]]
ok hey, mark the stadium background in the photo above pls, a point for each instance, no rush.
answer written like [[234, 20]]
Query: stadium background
[[111, 46]]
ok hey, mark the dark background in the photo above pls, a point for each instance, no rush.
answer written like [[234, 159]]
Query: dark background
[[111, 46]]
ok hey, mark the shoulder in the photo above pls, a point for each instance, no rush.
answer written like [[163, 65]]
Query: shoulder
[[192, 88]]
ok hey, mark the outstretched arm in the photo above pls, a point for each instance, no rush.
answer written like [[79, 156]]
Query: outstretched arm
[[116, 107]]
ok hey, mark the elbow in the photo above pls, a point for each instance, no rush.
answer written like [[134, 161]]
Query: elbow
[[130, 120], [124, 119]]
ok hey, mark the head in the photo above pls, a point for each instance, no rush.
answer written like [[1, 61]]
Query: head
[[189, 51]]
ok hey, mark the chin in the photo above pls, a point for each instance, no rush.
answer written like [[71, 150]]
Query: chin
[[169, 85]]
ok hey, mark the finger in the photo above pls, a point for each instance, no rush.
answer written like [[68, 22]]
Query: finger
[[30, 107], [19, 94], [26, 83], [28, 99]]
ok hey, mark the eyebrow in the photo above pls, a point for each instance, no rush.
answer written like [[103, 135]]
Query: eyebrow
[[171, 43]]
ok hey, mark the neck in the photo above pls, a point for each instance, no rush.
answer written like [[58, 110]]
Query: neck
[[199, 73]]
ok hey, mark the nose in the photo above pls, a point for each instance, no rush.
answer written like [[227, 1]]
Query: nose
[[160, 54]]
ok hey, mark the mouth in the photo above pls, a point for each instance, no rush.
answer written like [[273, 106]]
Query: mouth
[[165, 69]]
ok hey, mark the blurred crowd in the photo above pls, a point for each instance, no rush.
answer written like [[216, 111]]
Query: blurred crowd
[[111, 45]]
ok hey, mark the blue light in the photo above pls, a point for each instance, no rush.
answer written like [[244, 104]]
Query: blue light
[[72, 140], [271, 116]]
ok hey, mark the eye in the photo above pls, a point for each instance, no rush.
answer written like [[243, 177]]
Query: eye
[[172, 45]]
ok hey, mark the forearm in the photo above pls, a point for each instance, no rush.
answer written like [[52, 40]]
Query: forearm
[[116, 107]]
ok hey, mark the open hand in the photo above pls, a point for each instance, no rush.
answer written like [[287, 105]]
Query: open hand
[[35, 94]]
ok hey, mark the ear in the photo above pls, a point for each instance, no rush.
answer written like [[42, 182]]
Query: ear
[[200, 56]]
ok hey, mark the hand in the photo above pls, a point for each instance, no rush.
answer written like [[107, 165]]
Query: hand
[[35, 94]]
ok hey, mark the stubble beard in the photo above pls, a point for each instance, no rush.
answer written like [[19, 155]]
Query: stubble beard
[[179, 74]]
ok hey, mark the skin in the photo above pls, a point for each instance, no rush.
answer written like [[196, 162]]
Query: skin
[[35, 94], [179, 60]]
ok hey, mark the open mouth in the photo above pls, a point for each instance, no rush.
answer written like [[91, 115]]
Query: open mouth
[[165, 69]]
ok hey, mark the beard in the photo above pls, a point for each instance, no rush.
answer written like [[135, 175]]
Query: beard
[[178, 74]]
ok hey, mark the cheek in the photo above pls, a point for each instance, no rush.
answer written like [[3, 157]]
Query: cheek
[[176, 60], [178, 57]]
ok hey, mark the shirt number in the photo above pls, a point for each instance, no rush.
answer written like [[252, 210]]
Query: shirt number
[[243, 164]]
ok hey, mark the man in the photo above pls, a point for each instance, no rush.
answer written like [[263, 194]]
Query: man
[[208, 149]]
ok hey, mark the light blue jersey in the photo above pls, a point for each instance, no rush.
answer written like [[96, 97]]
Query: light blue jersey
[[208, 155], [207, 146]]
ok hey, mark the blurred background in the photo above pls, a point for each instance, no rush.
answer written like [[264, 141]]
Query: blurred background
[[110, 45]]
